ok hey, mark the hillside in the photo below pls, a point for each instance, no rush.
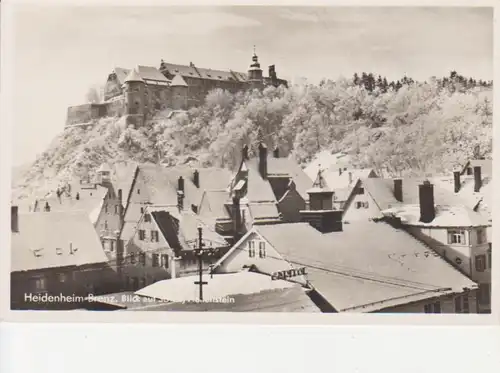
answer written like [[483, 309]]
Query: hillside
[[416, 127]]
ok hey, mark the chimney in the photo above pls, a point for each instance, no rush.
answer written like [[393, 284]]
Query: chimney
[[120, 207], [276, 152], [263, 160], [244, 152], [180, 184], [236, 218], [14, 219], [426, 199], [398, 190], [325, 221], [196, 178], [180, 200], [456, 177], [77, 196], [350, 177], [47, 207], [477, 179]]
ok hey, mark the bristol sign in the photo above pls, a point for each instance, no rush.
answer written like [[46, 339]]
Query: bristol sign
[[283, 275]]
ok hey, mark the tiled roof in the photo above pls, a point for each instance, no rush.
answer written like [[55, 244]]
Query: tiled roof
[[123, 178], [41, 234], [213, 204], [91, 199], [394, 268], [342, 183], [133, 76], [263, 211], [446, 216], [466, 192], [151, 73], [259, 190], [288, 166], [186, 224], [213, 178], [381, 191], [199, 72], [121, 74], [178, 81]]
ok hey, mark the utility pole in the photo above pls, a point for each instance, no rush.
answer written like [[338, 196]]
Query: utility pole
[[199, 252]]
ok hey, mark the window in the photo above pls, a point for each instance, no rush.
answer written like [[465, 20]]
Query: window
[[462, 304], [116, 209], [62, 277], [489, 257], [142, 210], [164, 259], [433, 308], [469, 171], [111, 245], [156, 258], [142, 258], [456, 236], [480, 263], [59, 251], [105, 224], [481, 238], [262, 249], [138, 191], [251, 249], [142, 234], [132, 258], [155, 236], [147, 218], [106, 208], [361, 190], [40, 284]]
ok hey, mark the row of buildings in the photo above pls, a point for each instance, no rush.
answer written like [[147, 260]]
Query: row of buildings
[[269, 237], [136, 94]]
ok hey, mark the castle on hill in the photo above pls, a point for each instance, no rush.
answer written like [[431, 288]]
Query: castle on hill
[[138, 93]]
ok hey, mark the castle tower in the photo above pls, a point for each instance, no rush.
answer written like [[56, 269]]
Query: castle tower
[[135, 92], [255, 72], [179, 93]]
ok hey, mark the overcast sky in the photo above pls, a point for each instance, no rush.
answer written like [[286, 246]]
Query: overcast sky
[[60, 52]]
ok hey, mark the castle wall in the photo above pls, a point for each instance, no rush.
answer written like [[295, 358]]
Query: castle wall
[[85, 113], [116, 107]]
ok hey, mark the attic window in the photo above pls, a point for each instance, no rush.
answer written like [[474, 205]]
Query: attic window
[[38, 252]]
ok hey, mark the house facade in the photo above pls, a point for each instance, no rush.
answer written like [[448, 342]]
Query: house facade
[[57, 261], [458, 234], [343, 274]]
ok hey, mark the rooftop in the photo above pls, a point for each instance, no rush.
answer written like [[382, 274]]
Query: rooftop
[[55, 239], [446, 216], [353, 276]]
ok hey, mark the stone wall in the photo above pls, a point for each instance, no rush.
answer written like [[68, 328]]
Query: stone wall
[[85, 113], [116, 107]]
